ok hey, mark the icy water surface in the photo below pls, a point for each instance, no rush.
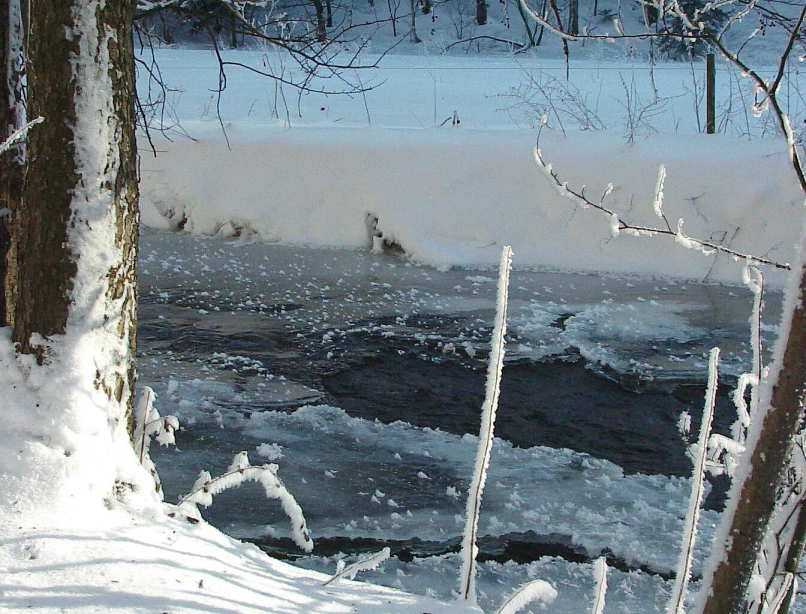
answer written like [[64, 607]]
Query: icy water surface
[[362, 377]]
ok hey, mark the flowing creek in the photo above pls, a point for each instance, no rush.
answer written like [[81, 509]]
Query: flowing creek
[[362, 377]]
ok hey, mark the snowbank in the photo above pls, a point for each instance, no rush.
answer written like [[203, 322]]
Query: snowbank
[[453, 197], [175, 567]]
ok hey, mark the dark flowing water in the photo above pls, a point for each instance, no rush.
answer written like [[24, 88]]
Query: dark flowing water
[[597, 368]]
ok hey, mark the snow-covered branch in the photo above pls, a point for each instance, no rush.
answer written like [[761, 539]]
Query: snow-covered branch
[[699, 453], [467, 574], [600, 575], [149, 424], [696, 28], [538, 591], [619, 224], [366, 564], [19, 135], [240, 471]]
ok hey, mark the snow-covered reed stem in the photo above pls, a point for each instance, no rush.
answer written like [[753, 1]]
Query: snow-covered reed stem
[[600, 575], [240, 471], [699, 452], [783, 593], [467, 577], [151, 424], [538, 590], [367, 564]]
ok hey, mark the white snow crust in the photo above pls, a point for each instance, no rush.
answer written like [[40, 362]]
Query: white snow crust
[[317, 186]]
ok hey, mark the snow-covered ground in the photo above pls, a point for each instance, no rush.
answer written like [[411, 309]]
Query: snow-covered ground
[[169, 565]]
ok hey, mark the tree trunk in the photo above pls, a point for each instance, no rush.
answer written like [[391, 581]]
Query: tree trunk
[[413, 32], [530, 34], [75, 246], [12, 117], [726, 590], [321, 29], [573, 17], [481, 12]]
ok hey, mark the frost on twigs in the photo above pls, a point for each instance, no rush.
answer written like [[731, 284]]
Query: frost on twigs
[[723, 452], [240, 471], [657, 202], [689, 243], [149, 424], [698, 452], [366, 564], [620, 225], [537, 591], [19, 135]]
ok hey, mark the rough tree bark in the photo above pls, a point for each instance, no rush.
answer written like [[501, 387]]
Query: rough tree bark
[[12, 116], [75, 235]]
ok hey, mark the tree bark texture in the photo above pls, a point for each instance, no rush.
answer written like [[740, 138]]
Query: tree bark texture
[[769, 462], [75, 234], [12, 117]]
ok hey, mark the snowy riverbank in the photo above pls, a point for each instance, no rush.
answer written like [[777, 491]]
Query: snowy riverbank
[[453, 197]]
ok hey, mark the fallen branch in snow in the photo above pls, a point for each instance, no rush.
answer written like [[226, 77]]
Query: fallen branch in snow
[[367, 564], [467, 575], [240, 471], [538, 590], [495, 39], [618, 224]]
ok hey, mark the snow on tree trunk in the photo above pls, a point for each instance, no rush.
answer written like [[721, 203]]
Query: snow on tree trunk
[[12, 117], [74, 301], [733, 567]]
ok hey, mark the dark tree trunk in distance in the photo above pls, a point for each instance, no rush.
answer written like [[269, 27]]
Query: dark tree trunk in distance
[[573, 17], [481, 12], [321, 28]]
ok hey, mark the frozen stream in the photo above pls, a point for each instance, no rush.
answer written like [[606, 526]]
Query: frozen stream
[[361, 375]]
